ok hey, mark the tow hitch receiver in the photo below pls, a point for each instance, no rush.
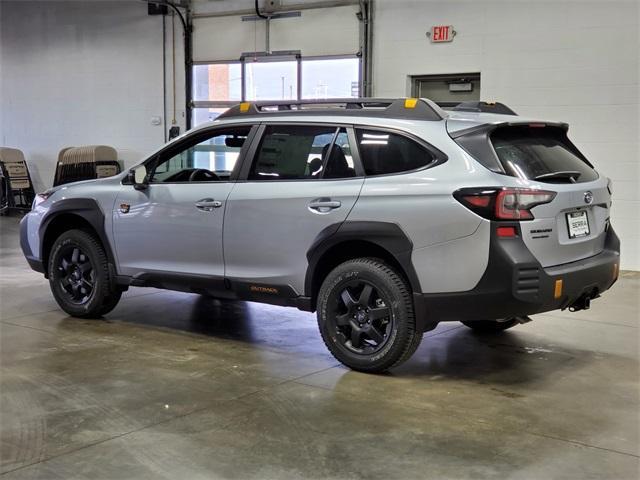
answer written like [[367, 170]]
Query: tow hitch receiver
[[583, 302]]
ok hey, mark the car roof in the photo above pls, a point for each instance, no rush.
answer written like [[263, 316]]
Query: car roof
[[400, 112]]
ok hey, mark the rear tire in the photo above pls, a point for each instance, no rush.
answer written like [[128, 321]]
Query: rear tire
[[365, 316], [491, 326], [79, 276]]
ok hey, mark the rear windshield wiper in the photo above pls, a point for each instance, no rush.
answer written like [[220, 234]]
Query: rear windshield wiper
[[570, 174]]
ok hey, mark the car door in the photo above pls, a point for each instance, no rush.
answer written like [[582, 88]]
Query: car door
[[174, 226], [301, 180]]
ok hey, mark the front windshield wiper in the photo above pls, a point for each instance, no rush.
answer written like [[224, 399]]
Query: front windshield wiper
[[570, 174]]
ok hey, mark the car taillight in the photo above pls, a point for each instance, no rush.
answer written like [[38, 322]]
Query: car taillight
[[503, 203]]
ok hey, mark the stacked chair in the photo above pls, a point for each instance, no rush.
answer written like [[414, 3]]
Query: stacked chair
[[4, 193], [86, 163], [16, 187]]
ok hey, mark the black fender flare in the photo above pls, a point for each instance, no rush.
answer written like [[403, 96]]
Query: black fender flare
[[85, 208], [386, 235]]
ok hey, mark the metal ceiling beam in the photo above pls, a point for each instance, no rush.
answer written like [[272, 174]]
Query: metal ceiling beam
[[284, 8]]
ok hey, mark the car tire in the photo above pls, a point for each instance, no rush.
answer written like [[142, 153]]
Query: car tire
[[79, 275], [491, 326], [366, 317]]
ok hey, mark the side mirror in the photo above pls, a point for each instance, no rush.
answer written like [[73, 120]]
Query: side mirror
[[138, 177]]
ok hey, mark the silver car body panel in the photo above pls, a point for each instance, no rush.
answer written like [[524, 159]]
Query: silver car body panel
[[103, 191], [268, 226], [162, 229]]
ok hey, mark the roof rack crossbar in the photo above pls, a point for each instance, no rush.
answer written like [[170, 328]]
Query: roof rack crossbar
[[415, 109]]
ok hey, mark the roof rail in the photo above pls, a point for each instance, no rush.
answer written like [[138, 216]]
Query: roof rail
[[406, 108], [484, 107]]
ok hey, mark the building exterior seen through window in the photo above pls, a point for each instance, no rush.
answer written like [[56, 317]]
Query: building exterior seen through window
[[217, 86]]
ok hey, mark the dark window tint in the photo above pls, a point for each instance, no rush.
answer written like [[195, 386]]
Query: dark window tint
[[301, 153], [543, 153], [340, 163], [383, 153]]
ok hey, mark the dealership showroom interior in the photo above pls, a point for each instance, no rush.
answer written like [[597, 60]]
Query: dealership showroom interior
[[319, 239]]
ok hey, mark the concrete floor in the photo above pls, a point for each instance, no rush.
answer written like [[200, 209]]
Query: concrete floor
[[173, 386]]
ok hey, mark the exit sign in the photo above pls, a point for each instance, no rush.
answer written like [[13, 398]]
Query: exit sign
[[441, 33]]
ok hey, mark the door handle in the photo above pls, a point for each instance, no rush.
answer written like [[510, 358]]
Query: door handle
[[208, 204], [323, 205]]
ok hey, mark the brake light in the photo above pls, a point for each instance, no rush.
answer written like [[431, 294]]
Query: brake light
[[503, 203]]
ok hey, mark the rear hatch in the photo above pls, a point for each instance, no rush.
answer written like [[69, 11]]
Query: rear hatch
[[573, 225]]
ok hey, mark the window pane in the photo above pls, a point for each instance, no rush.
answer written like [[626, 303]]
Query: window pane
[[219, 81], [271, 80], [203, 115], [291, 152], [384, 153], [538, 152], [209, 160], [331, 78]]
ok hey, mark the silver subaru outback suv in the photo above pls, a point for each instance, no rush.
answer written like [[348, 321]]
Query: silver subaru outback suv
[[385, 217]]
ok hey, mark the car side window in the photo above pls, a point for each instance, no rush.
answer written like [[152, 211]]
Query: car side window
[[383, 153], [297, 152], [210, 160]]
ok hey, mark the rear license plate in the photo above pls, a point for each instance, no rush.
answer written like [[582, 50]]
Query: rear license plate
[[578, 224]]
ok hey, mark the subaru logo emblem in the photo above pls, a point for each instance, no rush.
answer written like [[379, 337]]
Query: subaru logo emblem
[[588, 197]]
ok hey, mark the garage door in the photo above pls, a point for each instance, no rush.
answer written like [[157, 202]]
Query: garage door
[[316, 32]]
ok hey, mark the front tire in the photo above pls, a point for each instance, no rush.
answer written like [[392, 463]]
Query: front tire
[[366, 317], [79, 276], [491, 326]]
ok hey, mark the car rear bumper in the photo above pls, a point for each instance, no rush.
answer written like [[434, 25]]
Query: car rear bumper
[[515, 284]]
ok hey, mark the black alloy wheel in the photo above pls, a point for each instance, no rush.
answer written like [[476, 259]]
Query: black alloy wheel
[[76, 274], [365, 315], [80, 276], [361, 317]]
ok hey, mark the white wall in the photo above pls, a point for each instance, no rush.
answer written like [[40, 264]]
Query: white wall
[[318, 31], [575, 61], [78, 73]]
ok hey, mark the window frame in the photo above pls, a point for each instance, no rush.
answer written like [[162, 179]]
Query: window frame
[[243, 62], [195, 138], [439, 156], [251, 156]]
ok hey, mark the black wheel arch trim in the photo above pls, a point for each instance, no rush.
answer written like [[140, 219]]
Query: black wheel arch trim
[[85, 208], [386, 235]]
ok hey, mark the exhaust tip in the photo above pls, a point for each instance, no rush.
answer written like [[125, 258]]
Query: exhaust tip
[[523, 319]]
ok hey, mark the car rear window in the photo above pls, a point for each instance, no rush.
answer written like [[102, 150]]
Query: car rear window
[[384, 153], [541, 153]]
